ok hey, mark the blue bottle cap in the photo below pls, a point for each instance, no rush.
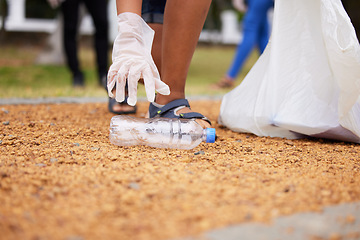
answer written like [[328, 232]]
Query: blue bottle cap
[[210, 135]]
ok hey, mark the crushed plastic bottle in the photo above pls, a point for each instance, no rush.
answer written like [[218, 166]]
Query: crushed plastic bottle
[[158, 132]]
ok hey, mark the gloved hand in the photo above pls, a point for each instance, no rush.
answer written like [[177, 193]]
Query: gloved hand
[[55, 3], [239, 5], [132, 60]]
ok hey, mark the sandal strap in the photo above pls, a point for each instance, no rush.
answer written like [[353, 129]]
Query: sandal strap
[[169, 111], [194, 115], [172, 105], [155, 111]]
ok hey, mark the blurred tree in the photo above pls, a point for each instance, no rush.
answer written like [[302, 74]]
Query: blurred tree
[[213, 21], [3, 10], [352, 7], [39, 9]]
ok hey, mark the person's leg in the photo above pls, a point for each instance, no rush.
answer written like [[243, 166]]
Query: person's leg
[[98, 12], [70, 11], [172, 50], [264, 31], [263, 37], [252, 24], [183, 22], [156, 51], [133, 6], [153, 14]]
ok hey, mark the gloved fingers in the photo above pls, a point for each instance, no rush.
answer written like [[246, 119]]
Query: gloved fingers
[[133, 78], [112, 77], [149, 84], [161, 87], [120, 87], [111, 82], [120, 78]]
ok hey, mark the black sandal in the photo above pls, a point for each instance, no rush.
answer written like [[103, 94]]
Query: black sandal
[[113, 102], [170, 111]]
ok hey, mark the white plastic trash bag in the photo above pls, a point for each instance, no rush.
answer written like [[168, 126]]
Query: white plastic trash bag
[[307, 81]]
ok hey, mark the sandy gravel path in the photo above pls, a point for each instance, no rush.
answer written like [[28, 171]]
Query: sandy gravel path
[[60, 178]]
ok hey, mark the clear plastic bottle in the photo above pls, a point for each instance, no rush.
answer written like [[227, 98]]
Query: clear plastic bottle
[[158, 132]]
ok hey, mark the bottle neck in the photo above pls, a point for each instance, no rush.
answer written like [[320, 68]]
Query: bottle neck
[[209, 135], [204, 135]]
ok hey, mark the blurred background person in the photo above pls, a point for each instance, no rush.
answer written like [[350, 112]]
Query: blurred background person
[[256, 32], [70, 14]]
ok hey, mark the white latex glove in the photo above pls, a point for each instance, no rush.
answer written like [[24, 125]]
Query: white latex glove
[[55, 3], [239, 5], [132, 60]]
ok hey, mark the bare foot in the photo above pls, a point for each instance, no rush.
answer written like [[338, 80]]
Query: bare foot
[[122, 107], [224, 83]]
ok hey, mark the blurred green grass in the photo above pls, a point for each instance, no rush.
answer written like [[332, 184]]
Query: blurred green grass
[[21, 77]]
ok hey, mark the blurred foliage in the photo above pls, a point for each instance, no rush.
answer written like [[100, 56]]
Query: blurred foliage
[[3, 6], [353, 8], [39, 9], [213, 21], [20, 77], [3, 9], [33, 9]]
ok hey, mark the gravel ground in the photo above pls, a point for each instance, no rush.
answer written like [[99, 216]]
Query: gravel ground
[[60, 178], [336, 222]]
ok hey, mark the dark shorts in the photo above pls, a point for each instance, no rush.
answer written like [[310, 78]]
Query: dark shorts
[[153, 11]]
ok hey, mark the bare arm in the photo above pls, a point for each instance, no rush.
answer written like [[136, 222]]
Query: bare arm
[[133, 6]]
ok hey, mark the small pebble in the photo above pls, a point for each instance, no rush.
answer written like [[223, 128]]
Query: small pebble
[[134, 186], [290, 143], [199, 152], [74, 238], [6, 123], [77, 144], [40, 165]]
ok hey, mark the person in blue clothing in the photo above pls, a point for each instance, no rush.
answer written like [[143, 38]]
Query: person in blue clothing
[[256, 32]]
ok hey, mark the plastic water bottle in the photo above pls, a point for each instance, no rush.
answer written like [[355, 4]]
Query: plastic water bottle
[[158, 132]]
